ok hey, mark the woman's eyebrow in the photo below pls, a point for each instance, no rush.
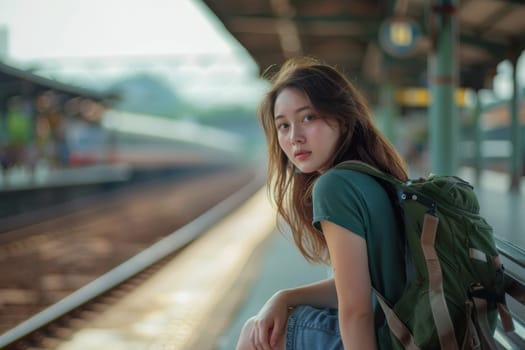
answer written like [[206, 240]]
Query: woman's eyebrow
[[298, 110]]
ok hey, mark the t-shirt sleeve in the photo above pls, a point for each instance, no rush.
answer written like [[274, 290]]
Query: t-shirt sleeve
[[336, 198]]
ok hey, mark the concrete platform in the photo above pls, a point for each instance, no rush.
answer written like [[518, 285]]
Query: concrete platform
[[281, 267]]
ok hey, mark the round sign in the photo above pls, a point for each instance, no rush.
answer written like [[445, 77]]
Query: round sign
[[398, 36]]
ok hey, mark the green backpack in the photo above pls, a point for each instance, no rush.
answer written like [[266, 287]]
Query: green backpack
[[457, 284]]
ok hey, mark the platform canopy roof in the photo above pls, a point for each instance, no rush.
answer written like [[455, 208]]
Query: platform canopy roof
[[346, 33], [16, 81]]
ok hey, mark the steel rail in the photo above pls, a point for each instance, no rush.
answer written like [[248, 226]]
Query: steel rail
[[151, 255]]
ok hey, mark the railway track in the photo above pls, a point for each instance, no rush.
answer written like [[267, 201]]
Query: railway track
[[62, 270]]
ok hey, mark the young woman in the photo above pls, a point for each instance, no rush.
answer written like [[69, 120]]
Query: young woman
[[313, 119]]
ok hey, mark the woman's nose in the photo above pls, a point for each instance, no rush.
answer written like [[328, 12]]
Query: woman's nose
[[297, 135]]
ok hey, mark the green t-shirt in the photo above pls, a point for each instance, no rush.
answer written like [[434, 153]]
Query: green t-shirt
[[360, 204]]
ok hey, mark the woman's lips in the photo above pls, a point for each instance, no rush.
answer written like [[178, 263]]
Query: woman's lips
[[302, 155]]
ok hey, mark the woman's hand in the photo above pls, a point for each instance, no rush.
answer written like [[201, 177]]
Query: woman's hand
[[270, 323], [266, 330]]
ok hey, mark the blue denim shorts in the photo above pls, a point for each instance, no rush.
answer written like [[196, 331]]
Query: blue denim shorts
[[313, 329]]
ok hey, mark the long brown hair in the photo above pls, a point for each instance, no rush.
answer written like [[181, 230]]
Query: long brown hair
[[333, 96]]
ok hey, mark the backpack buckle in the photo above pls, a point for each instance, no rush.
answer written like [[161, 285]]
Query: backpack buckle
[[423, 200]]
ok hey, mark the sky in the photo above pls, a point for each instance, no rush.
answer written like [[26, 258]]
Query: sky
[[97, 41]]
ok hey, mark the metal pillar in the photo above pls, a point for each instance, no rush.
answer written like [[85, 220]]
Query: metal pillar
[[388, 106], [516, 159], [3, 119], [478, 139], [444, 125]]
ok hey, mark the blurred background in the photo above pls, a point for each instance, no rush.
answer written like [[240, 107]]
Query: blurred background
[[94, 82], [121, 121], [89, 89]]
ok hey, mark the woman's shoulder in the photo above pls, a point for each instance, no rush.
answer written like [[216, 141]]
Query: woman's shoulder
[[334, 178], [349, 185]]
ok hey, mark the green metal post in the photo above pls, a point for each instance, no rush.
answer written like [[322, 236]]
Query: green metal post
[[3, 121], [388, 106], [444, 125], [478, 139], [516, 159]]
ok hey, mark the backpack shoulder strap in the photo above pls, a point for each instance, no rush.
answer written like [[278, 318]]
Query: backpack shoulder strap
[[368, 169]]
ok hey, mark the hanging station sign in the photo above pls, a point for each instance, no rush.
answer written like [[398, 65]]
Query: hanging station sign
[[398, 36]]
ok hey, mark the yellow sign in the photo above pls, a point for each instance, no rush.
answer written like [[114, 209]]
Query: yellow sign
[[398, 36], [401, 34], [420, 97]]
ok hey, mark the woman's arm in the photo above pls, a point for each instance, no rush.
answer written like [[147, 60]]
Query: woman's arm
[[319, 294], [349, 259]]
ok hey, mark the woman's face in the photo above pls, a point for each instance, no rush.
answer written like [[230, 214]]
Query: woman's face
[[308, 140]]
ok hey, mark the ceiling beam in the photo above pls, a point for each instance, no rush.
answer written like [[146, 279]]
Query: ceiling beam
[[286, 28], [267, 25], [487, 24], [370, 21]]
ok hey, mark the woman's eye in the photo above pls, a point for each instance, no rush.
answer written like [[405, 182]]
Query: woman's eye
[[282, 126], [308, 118]]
